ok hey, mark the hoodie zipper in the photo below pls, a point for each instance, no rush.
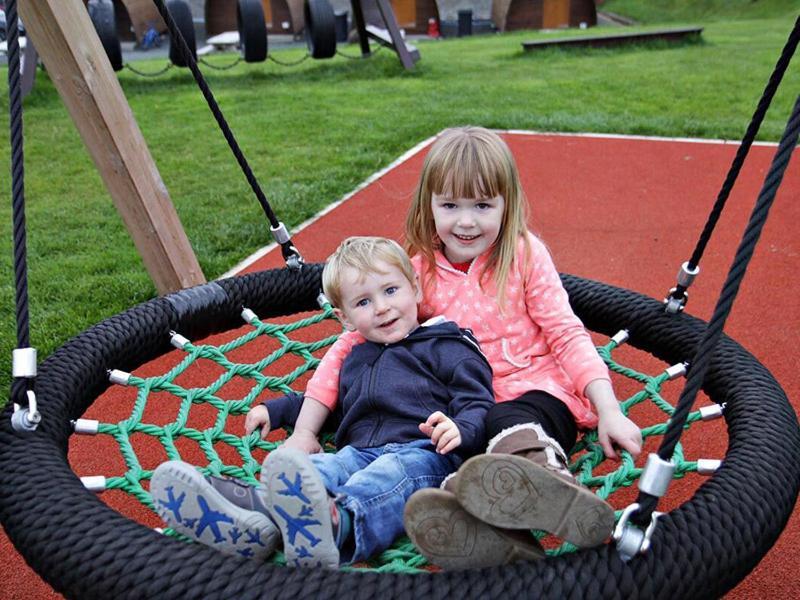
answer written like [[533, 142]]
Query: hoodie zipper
[[371, 396]]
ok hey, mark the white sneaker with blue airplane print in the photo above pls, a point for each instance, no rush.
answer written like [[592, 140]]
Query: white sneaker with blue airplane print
[[225, 514], [301, 508]]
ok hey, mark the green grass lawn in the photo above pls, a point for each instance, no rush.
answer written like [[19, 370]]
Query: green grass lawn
[[663, 11], [313, 132]]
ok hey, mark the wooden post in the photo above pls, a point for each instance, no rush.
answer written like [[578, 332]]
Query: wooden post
[[361, 26], [389, 37], [30, 60], [143, 15], [71, 51], [387, 12]]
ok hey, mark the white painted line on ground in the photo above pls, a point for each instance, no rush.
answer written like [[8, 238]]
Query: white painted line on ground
[[258, 254], [622, 136]]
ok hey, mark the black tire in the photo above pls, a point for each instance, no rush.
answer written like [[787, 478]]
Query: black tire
[[182, 16], [85, 549], [252, 30], [101, 12], [320, 28]]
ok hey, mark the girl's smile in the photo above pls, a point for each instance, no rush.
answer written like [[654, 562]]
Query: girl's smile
[[467, 227]]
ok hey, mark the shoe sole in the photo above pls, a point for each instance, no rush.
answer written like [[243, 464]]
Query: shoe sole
[[513, 492], [189, 504], [450, 537], [299, 504]]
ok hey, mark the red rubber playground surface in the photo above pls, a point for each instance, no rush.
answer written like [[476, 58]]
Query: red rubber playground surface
[[626, 211]]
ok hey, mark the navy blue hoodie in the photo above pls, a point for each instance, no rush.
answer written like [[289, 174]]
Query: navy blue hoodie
[[387, 390]]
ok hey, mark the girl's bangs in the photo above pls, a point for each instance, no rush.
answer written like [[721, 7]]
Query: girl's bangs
[[463, 172]]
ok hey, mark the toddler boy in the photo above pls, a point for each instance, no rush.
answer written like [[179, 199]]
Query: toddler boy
[[411, 404]]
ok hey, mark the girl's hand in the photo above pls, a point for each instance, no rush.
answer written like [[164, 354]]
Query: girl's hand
[[258, 416], [614, 428], [303, 440], [443, 432]]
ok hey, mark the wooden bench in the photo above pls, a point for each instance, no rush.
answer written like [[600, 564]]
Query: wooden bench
[[670, 35]]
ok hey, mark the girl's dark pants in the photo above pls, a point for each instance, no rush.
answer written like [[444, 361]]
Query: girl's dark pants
[[534, 407]]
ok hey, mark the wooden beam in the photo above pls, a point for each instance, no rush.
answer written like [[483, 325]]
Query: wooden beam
[[398, 43], [75, 60], [358, 17], [30, 62], [143, 15], [636, 37]]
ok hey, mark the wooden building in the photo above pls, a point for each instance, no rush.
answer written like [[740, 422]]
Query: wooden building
[[286, 16], [506, 15], [413, 15], [509, 15], [282, 16], [135, 17]]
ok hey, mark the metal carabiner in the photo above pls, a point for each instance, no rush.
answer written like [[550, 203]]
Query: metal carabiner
[[631, 540], [26, 419]]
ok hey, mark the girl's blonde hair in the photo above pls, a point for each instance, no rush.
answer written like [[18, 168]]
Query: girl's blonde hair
[[469, 162], [361, 254]]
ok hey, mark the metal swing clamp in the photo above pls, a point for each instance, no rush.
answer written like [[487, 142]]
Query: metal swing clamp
[[686, 277], [291, 254], [177, 340], [294, 261], [621, 337], [654, 481], [23, 363], [118, 377], [676, 370], [713, 411], [322, 300]]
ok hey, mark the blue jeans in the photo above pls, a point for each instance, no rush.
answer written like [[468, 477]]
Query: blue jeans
[[373, 484]]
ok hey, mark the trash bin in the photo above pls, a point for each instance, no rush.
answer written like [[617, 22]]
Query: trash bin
[[341, 25], [464, 23]]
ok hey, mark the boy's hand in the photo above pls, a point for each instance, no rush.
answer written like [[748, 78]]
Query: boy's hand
[[303, 440], [258, 416], [443, 432], [617, 429]]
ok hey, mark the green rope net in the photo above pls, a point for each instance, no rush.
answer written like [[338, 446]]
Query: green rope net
[[586, 458]]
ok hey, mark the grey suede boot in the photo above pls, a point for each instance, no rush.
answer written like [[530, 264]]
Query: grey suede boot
[[522, 482], [451, 538]]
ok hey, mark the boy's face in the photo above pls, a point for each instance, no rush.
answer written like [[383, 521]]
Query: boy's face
[[381, 304]]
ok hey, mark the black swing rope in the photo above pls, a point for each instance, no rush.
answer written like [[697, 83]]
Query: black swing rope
[[290, 253], [702, 358], [678, 293], [20, 386], [699, 364]]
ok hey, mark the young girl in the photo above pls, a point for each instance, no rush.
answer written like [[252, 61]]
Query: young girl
[[482, 268]]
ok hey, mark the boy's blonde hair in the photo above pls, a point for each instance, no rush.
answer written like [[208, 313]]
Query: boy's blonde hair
[[469, 162], [361, 253]]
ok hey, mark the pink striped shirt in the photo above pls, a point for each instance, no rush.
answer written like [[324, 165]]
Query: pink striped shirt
[[534, 343]]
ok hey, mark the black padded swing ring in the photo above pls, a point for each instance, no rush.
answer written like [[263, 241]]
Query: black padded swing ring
[[84, 549]]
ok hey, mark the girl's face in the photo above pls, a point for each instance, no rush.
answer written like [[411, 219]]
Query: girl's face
[[467, 226]]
